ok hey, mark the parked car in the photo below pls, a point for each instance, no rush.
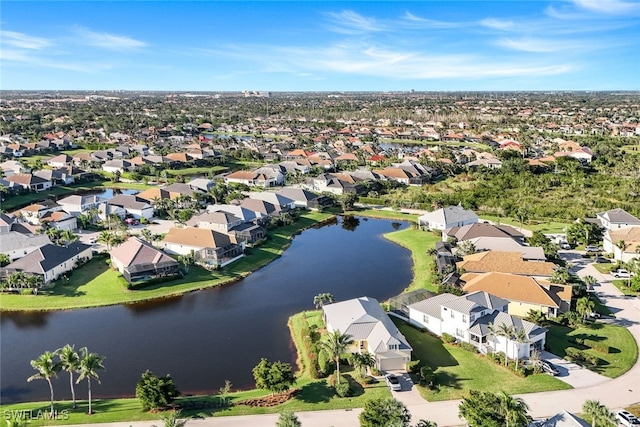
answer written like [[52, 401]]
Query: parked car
[[393, 382], [593, 249], [621, 273], [549, 368], [565, 245], [627, 419], [131, 221]]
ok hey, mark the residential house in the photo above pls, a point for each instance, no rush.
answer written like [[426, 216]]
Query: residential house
[[138, 261], [34, 212], [524, 293], [77, 204], [490, 163], [60, 161], [472, 231], [135, 206], [372, 331], [507, 244], [50, 261], [60, 220], [210, 248], [11, 167], [282, 203], [623, 243], [449, 217], [16, 241], [117, 165], [617, 218], [220, 221], [506, 262], [246, 215], [471, 319], [29, 182], [264, 210], [305, 199], [264, 177]]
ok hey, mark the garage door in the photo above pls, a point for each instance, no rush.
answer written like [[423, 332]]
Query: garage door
[[394, 364]]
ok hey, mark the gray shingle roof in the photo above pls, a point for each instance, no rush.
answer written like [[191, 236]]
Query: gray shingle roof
[[620, 216], [481, 325], [431, 306]]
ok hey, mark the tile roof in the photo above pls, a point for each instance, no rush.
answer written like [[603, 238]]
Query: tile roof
[[197, 237], [47, 257], [505, 262], [137, 251], [510, 287], [472, 231]]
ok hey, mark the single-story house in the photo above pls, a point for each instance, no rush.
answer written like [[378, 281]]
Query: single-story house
[[50, 261], [505, 262], [372, 331], [613, 239], [138, 261], [133, 205], [449, 217]]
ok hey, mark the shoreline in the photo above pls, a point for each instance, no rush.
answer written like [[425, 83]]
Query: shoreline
[[315, 218]]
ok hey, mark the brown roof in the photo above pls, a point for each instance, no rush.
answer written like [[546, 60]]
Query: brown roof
[[178, 157], [137, 251], [505, 262], [510, 287], [630, 235], [472, 231], [394, 173], [242, 175], [197, 237]]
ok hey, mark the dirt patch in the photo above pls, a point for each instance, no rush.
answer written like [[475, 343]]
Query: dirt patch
[[272, 400]]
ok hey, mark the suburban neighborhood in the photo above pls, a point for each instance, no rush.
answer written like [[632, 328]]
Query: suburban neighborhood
[[516, 289]]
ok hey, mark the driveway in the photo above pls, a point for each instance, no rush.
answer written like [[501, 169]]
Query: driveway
[[409, 395], [572, 374]]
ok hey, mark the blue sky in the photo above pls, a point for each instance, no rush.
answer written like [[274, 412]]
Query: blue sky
[[320, 46]]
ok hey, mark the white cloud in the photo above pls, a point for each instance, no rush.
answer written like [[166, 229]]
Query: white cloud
[[528, 44], [419, 22], [23, 41], [497, 24], [107, 41], [24, 57], [611, 7], [350, 22]]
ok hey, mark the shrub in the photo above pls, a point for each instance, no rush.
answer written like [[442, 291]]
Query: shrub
[[592, 359], [325, 364], [414, 366], [342, 388], [575, 355], [155, 392], [449, 339], [427, 376], [469, 347]]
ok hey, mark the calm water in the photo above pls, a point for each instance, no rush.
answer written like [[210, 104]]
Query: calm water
[[205, 337]]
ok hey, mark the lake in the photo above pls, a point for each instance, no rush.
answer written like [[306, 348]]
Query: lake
[[205, 337]]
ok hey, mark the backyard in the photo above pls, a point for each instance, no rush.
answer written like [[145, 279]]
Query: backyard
[[95, 284], [458, 370], [419, 242]]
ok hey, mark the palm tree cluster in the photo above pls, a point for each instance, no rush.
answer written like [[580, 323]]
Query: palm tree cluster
[[83, 363], [511, 334], [600, 415], [22, 280]]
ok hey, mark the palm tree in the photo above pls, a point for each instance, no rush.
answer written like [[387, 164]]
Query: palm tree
[[600, 415], [335, 345], [361, 361], [622, 245], [47, 368], [514, 410], [68, 236], [426, 423], [107, 238], [503, 330], [520, 337], [70, 362], [589, 282], [322, 299], [90, 363], [584, 306]]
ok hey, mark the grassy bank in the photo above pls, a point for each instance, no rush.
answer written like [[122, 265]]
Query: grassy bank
[[623, 353], [547, 227], [458, 371], [418, 242], [384, 214], [94, 284], [314, 395]]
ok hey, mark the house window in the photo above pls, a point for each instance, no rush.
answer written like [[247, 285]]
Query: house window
[[460, 333], [464, 318], [393, 346], [453, 315], [425, 318]]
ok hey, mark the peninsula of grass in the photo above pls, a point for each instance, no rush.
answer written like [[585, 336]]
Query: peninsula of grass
[[623, 348], [547, 227], [95, 284], [384, 214], [419, 242], [458, 370]]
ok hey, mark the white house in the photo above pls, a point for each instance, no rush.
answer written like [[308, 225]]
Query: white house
[[134, 206], [372, 331], [449, 217], [77, 204], [470, 317], [617, 218], [613, 239]]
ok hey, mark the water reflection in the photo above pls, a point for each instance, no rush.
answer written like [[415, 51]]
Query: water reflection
[[350, 222], [206, 337]]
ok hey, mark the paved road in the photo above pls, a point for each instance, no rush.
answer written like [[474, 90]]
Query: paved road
[[617, 393]]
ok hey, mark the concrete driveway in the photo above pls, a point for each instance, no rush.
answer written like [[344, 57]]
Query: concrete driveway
[[572, 374], [409, 395]]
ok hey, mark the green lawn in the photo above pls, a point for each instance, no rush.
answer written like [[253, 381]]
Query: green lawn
[[195, 171], [548, 227], [418, 242], [624, 349], [385, 214], [458, 371], [94, 284]]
